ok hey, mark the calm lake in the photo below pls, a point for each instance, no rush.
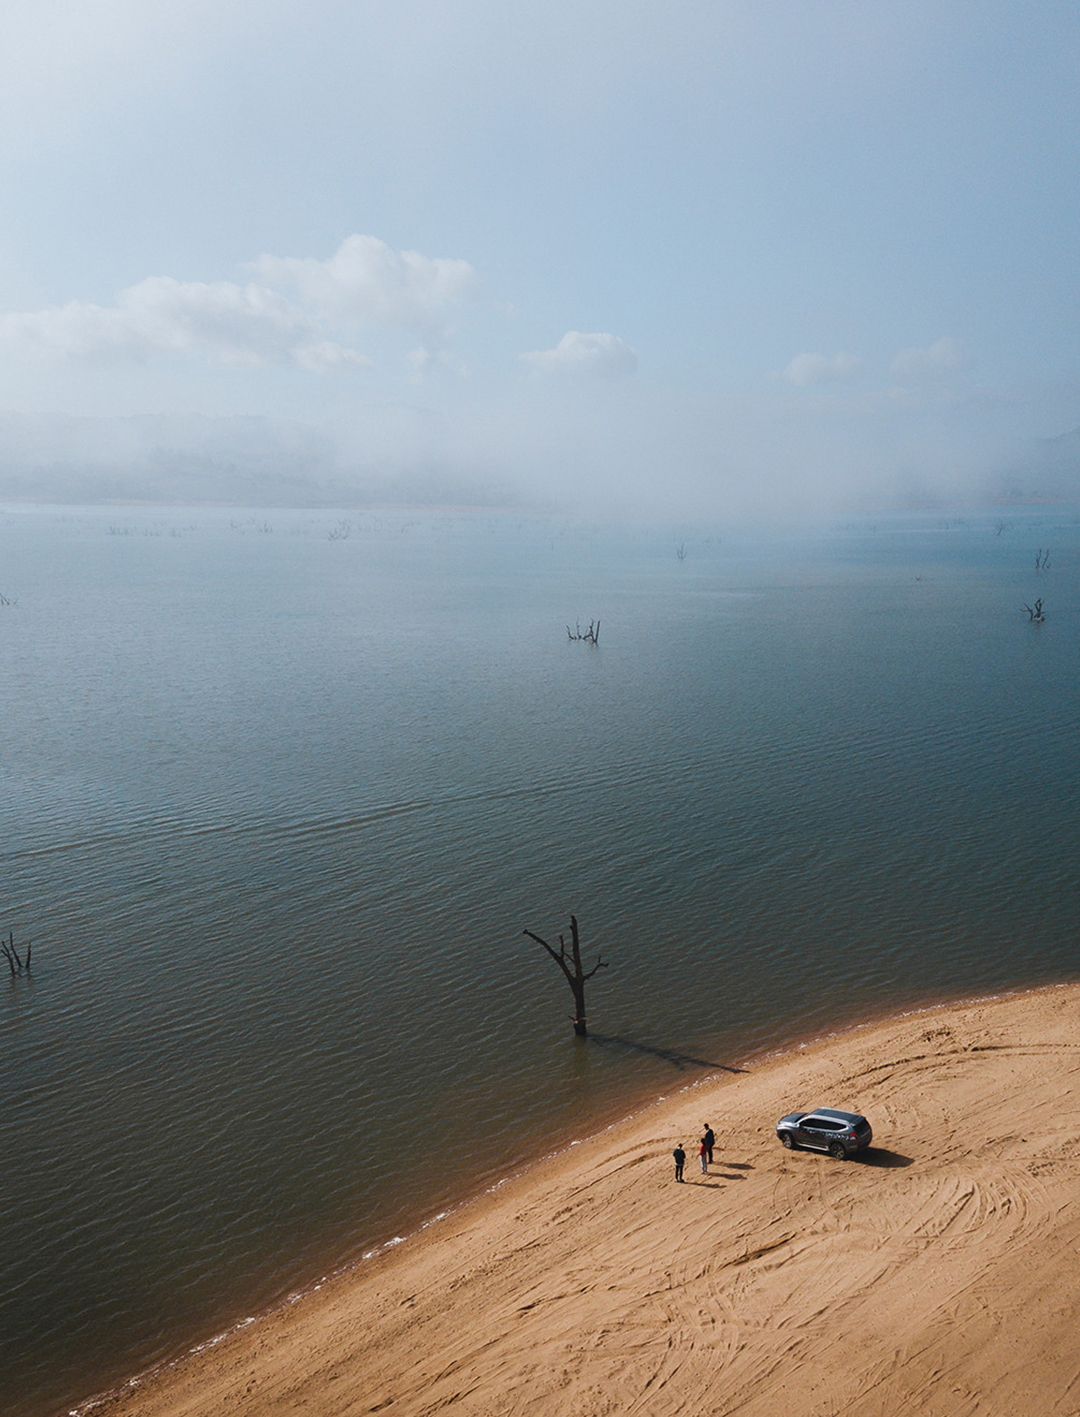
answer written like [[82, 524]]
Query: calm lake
[[281, 792]]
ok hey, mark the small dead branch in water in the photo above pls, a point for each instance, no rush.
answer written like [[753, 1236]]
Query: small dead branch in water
[[7, 600], [340, 531], [592, 634], [1042, 559], [1035, 612], [680, 551], [16, 964]]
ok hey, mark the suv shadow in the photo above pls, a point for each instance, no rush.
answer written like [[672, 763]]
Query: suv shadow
[[878, 1156]]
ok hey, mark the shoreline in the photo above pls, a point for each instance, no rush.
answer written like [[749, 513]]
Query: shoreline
[[347, 1281]]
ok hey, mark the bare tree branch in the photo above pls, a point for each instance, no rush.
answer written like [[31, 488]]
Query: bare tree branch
[[559, 959]]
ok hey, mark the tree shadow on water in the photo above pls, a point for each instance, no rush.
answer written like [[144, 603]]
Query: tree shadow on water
[[678, 1060]]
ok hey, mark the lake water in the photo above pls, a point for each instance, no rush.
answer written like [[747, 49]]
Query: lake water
[[281, 792]]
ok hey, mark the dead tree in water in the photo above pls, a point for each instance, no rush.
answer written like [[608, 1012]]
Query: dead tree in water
[[1035, 612], [569, 961], [11, 954], [592, 634]]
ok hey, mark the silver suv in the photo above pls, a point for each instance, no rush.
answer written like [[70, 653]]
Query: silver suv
[[841, 1134]]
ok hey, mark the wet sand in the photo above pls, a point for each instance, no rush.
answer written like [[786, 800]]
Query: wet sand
[[937, 1274]]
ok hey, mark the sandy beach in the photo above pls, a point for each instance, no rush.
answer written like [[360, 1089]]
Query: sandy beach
[[936, 1274]]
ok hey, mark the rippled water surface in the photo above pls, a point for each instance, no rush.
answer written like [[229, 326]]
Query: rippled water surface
[[280, 795]]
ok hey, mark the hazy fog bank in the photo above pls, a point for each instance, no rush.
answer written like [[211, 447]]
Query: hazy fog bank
[[262, 461]]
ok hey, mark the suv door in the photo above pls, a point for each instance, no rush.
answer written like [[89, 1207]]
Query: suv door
[[817, 1132]]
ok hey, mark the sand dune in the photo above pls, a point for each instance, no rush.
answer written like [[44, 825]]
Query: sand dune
[[939, 1275]]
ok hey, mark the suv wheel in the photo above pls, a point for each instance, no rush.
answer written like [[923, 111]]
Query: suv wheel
[[839, 1150], [786, 1139]]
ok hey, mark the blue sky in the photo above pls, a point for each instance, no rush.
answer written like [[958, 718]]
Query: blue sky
[[610, 253]]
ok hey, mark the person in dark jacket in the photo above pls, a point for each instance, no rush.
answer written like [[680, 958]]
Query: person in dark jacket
[[680, 1161], [708, 1141]]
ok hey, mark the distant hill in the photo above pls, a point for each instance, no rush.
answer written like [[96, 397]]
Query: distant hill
[[195, 460], [1044, 470], [249, 461]]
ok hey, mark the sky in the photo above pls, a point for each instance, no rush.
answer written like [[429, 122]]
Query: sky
[[695, 257]]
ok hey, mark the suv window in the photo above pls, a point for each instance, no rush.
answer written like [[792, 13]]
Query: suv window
[[824, 1124]]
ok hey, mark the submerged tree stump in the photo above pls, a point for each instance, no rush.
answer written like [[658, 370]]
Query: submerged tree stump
[[16, 964]]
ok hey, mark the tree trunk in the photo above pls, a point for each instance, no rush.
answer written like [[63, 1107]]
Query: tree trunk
[[579, 1009], [577, 982], [569, 961]]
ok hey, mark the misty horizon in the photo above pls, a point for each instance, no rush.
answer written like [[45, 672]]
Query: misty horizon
[[253, 461], [716, 261]]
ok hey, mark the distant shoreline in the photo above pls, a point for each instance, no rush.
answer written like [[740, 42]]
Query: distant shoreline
[[970, 506], [290, 1345]]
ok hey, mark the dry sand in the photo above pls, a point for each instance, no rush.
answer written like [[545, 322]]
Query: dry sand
[[939, 1275]]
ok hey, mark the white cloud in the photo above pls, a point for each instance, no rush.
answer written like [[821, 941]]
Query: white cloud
[[586, 354], [324, 355], [365, 282], [938, 358], [819, 368], [222, 322]]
